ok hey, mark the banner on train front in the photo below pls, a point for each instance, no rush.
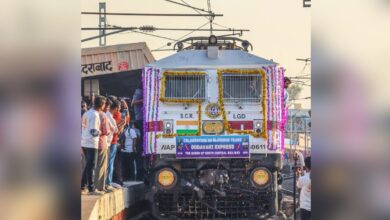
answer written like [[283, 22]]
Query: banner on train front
[[212, 147]]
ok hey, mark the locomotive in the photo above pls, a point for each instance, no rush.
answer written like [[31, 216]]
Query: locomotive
[[214, 131]]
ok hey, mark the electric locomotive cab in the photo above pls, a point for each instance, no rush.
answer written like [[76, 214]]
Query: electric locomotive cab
[[213, 128]]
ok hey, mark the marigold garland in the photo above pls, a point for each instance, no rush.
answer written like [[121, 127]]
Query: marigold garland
[[187, 101], [220, 73]]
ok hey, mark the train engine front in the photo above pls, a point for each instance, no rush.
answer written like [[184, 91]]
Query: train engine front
[[213, 128]]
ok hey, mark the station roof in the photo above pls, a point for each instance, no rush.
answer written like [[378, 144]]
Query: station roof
[[132, 56], [199, 59]]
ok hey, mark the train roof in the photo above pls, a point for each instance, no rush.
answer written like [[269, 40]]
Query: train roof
[[199, 59]]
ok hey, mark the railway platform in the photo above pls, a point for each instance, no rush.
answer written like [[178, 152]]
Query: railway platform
[[114, 205]]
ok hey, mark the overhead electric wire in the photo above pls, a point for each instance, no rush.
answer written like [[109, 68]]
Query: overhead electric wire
[[149, 14], [300, 77], [197, 11], [143, 29], [209, 19], [303, 84], [154, 35], [101, 35], [187, 5], [124, 30], [159, 49], [206, 17], [221, 25], [301, 98], [307, 62], [156, 29]]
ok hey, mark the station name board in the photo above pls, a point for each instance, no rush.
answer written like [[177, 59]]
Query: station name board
[[100, 67]]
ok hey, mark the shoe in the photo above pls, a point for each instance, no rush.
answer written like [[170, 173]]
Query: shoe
[[116, 185], [96, 193], [84, 191], [109, 188]]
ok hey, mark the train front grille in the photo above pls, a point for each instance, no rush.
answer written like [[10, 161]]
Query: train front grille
[[235, 205]]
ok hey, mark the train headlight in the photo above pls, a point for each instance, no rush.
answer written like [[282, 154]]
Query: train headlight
[[168, 126], [260, 177], [257, 126], [167, 178]]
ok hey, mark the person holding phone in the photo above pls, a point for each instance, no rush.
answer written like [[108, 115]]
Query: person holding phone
[[121, 117]]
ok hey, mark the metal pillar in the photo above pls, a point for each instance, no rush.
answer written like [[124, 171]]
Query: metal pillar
[[291, 130], [295, 186], [305, 138], [102, 23]]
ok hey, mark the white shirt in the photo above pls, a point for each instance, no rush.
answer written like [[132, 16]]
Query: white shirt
[[112, 121], [130, 134], [138, 132], [304, 183], [286, 98], [90, 122]]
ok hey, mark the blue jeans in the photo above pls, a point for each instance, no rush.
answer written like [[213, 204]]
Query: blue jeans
[[111, 159], [87, 179], [305, 214]]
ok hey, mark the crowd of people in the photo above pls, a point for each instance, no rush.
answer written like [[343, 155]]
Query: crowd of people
[[111, 143]]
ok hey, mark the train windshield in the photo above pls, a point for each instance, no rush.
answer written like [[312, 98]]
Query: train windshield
[[241, 88], [185, 87]]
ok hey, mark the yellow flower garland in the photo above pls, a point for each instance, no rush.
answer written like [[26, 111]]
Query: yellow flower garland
[[220, 72], [173, 100]]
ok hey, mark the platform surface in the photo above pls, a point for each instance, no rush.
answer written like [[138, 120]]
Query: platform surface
[[109, 205]]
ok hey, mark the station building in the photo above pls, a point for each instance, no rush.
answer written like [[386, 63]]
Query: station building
[[113, 70]]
